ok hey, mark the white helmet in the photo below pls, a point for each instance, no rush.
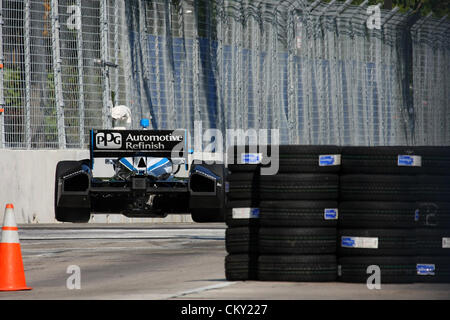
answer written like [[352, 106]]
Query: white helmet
[[121, 116]]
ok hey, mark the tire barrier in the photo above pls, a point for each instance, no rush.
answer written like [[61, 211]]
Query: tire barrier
[[332, 213], [380, 193], [242, 220], [283, 226]]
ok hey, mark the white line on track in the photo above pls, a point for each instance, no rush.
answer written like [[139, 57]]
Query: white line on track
[[201, 289], [122, 234]]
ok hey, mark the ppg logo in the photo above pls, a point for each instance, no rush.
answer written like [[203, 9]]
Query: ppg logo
[[109, 140]]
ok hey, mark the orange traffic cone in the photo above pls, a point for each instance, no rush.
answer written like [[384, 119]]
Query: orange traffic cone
[[12, 275]]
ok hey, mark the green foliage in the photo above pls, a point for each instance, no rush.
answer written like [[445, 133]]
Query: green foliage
[[50, 124], [12, 79], [438, 7]]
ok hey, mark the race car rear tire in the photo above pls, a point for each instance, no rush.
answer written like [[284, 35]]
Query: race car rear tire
[[74, 215], [208, 215], [65, 214]]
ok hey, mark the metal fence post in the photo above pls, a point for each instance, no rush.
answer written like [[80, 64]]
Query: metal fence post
[[361, 72], [233, 98], [183, 73], [127, 56], [383, 134], [144, 45], [240, 119], [256, 63], [116, 52], [219, 67], [292, 86], [420, 122], [440, 89], [57, 75], [157, 66], [80, 76], [332, 52], [307, 71], [168, 66], [106, 94], [338, 76], [445, 35], [195, 66], [27, 74], [2, 97], [274, 102], [226, 99]]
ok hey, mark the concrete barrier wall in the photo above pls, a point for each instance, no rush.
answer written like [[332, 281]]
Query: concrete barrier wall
[[27, 180]]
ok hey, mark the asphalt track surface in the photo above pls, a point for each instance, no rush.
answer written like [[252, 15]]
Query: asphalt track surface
[[165, 261]]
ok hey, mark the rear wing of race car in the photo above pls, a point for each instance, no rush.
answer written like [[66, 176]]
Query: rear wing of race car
[[171, 144]]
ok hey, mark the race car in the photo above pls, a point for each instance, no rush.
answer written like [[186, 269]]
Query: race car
[[139, 173]]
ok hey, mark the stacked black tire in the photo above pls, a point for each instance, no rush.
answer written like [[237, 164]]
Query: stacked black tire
[[379, 192], [283, 227], [242, 219], [433, 216]]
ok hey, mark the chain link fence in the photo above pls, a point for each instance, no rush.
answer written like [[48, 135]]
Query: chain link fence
[[431, 70], [315, 71]]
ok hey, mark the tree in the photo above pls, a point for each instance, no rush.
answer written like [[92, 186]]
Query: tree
[[423, 7]]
